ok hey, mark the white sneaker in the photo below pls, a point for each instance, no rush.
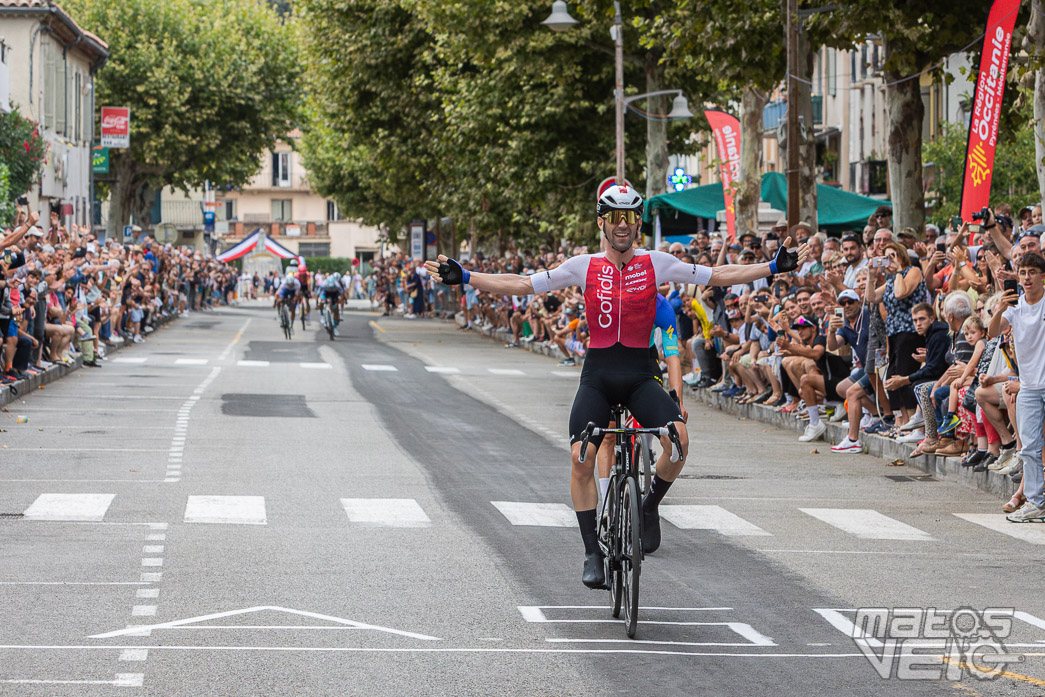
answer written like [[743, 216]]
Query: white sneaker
[[867, 421], [1005, 456], [690, 378], [138, 339], [838, 415], [813, 432], [336, 332], [1014, 465], [912, 437], [848, 447], [1028, 513], [917, 421]]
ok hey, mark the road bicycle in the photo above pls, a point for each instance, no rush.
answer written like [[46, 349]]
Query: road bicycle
[[642, 450], [620, 525], [285, 322], [326, 318]]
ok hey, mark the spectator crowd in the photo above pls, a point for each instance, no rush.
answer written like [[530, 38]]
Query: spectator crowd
[[64, 293], [934, 338]]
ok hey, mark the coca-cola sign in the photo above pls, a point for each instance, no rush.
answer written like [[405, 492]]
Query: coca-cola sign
[[116, 127]]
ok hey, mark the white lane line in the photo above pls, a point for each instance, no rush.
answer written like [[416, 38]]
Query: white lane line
[[396, 513], [506, 371], [867, 524], [316, 366], [236, 510], [191, 361], [442, 369], [130, 359], [80, 507], [72, 583], [567, 373], [557, 515], [694, 517], [1028, 532], [122, 680], [134, 655], [253, 364], [379, 368]]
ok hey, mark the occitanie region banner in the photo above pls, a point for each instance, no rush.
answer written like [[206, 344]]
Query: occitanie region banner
[[726, 128]]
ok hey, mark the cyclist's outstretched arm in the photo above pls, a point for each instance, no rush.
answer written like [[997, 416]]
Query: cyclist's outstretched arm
[[785, 261]]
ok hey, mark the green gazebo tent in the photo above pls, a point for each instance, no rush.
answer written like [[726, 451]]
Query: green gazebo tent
[[836, 210]]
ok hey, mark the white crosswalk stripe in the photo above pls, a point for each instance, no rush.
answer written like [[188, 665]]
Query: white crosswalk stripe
[[253, 364], [1028, 532], [379, 368], [556, 515], [191, 361], [396, 513], [237, 510], [316, 366], [709, 518], [567, 373], [129, 359], [441, 369], [506, 371], [867, 524], [69, 507]]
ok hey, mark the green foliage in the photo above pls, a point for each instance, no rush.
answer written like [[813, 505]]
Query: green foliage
[[210, 85], [7, 198], [23, 151], [1013, 179], [324, 264]]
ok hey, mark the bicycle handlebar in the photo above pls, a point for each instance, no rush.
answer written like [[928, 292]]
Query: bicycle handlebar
[[670, 431]]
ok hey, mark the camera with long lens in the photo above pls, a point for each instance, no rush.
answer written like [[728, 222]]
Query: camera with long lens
[[981, 214]]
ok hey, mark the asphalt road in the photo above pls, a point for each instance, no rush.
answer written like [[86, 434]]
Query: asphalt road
[[222, 512]]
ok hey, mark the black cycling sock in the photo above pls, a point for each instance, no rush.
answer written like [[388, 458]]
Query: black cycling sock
[[1010, 444], [658, 489], [586, 520]]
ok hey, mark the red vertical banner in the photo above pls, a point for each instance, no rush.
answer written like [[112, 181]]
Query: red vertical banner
[[990, 88], [727, 140]]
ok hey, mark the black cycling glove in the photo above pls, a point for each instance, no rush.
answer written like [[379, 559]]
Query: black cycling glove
[[452, 273], [785, 261]]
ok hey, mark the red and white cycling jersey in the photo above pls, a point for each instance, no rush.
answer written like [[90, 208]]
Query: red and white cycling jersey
[[620, 304]]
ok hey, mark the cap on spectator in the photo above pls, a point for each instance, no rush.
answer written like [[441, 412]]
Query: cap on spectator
[[848, 294], [81, 252], [735, 247], [804, 321], [747, 253], [1025, 209], [772, 236], [47, 248], [734, 314], [34, 232]]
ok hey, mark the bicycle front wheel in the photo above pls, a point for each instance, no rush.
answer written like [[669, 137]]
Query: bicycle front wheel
[[631, 554], [609, 540], [284, 320], [644, 462]]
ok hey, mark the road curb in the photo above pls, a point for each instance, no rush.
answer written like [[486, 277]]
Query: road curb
[[946, 468], [505, 335], [59, 370]]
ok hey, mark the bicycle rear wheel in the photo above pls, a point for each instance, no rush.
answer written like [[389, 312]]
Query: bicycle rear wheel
[[328, 322], [631, 554]]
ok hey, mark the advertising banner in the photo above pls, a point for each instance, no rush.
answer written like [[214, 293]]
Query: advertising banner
[[116, 127], [727, 140], [983, 126]]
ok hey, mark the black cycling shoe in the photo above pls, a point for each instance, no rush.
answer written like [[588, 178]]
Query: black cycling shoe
[[650, 530], [594, 575]]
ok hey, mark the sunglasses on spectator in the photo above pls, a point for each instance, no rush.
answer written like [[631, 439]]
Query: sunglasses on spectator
[[613, 217], [846, 301]]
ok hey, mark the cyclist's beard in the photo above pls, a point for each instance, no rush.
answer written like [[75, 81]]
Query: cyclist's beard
[[619, 242]]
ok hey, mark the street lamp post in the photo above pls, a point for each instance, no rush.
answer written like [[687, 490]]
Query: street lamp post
[[561, 20]]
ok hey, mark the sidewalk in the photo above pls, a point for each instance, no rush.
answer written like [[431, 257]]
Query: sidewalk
[[59, 370]]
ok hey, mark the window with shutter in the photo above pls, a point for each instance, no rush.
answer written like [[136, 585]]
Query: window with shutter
[[49, 81], [275, 169], [88, 111], [61, 105], [78, 101], [284, 169]]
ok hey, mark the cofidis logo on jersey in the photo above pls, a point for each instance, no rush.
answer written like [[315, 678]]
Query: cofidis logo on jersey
[[604, 295]]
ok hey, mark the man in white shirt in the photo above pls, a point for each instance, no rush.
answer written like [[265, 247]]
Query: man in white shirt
[[1026, 317], [853, 250]]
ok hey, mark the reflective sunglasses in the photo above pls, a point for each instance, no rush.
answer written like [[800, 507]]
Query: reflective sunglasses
[[614, 216]]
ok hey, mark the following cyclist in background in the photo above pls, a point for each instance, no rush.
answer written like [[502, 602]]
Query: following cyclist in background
[[330, 291], [289, 290], [620, 296], [304, 280], [665, 322]]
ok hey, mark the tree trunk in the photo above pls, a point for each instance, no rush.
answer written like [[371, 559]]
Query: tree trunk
[[1036, 37], [656, 131], [807, 134], [121, 196], [904, 145], [749, 187]]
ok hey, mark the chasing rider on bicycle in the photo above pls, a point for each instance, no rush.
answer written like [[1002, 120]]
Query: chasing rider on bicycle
[[288, 292], [330, 291], [620, 289]]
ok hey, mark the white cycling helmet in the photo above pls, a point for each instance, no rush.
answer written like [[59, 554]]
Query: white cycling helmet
[[337, 276], [619, 197]]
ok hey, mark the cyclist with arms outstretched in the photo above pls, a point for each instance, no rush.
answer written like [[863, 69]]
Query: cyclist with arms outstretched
[[620, 291]]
